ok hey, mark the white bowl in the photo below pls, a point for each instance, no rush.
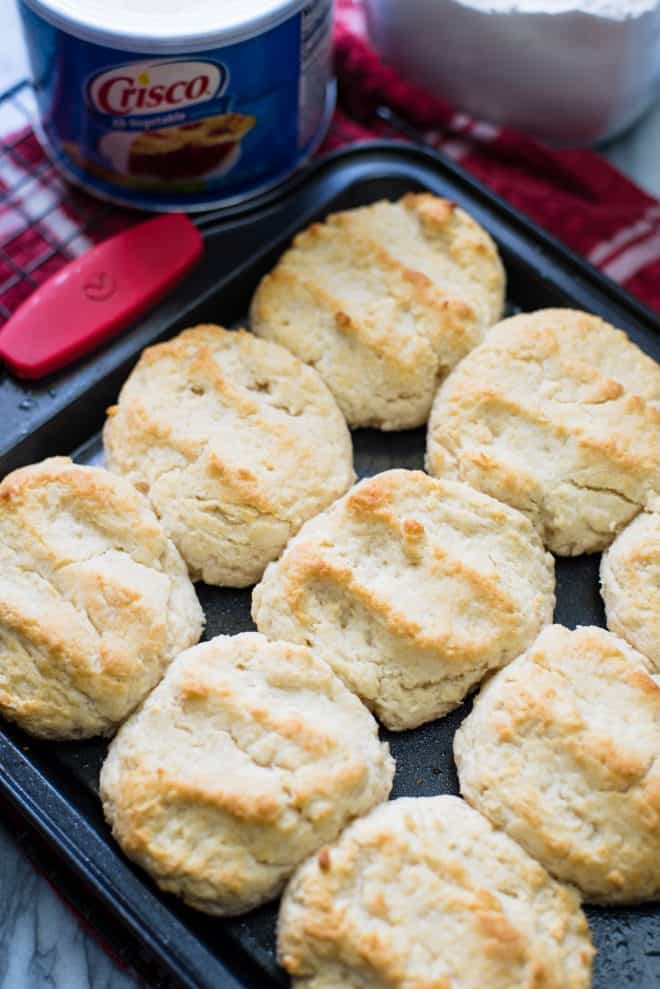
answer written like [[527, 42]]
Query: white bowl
[[569, 78]]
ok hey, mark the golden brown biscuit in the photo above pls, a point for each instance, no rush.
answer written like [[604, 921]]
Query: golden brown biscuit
[[555, 413], [236, 443], [244, 760], [412, 589], [94, 599], [383, 301], [562, 751], [630, 584], [424, 893]]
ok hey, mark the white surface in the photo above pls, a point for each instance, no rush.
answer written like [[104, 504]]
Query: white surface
[[13, 60], [557, 71], [637, 153], [138, 25], [41, 944], [617, 9]]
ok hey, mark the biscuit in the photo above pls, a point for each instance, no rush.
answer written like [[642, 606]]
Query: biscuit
[[235, 441], [94, 599], [412, 589], [630, 585], [383, 301], [247, 758], [555, 413], [562, 751], [425, 893]]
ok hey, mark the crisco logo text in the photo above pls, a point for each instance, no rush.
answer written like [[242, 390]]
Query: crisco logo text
[[151, 87], [123, 94]]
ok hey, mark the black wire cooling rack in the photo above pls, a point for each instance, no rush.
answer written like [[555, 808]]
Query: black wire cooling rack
[[44, 221]]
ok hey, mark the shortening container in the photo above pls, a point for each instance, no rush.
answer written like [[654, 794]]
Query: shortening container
[[180, 104]]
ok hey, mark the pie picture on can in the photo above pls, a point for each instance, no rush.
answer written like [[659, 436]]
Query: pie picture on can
[[189, 151]]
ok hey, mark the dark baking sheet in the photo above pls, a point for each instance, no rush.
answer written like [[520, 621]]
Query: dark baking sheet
[[52, 788]]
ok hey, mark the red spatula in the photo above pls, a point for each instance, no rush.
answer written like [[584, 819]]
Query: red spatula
[[99, 294]]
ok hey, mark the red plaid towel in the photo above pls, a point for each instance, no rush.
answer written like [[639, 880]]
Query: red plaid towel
[[576, 195]]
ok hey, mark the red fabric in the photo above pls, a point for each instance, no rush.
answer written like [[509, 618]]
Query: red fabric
[[576, 195]]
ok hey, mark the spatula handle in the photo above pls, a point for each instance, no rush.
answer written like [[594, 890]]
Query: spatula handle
[[98, 294]]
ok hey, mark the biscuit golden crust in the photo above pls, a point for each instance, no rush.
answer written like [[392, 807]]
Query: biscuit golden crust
[[424, 893], [94, 599], [383, 301], [558, 414], [247, 758], [630, 584], [562, 751], [236, 443], [412, 589]]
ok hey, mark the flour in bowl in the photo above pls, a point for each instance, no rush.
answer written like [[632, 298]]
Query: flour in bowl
[[610, 9]]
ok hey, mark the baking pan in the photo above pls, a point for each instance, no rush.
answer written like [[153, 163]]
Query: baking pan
[[52, 788]]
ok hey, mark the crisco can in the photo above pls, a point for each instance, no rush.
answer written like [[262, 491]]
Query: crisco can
[[165, 105]]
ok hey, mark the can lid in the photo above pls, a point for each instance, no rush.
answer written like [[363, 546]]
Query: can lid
[[165, 26]]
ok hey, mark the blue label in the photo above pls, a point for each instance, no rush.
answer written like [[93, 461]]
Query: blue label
[[169, 132]]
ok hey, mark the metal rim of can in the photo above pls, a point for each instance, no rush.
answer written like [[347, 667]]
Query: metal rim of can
[[265, 15]]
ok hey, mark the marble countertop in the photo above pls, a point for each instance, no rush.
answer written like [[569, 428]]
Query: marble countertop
[[42, 945]]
